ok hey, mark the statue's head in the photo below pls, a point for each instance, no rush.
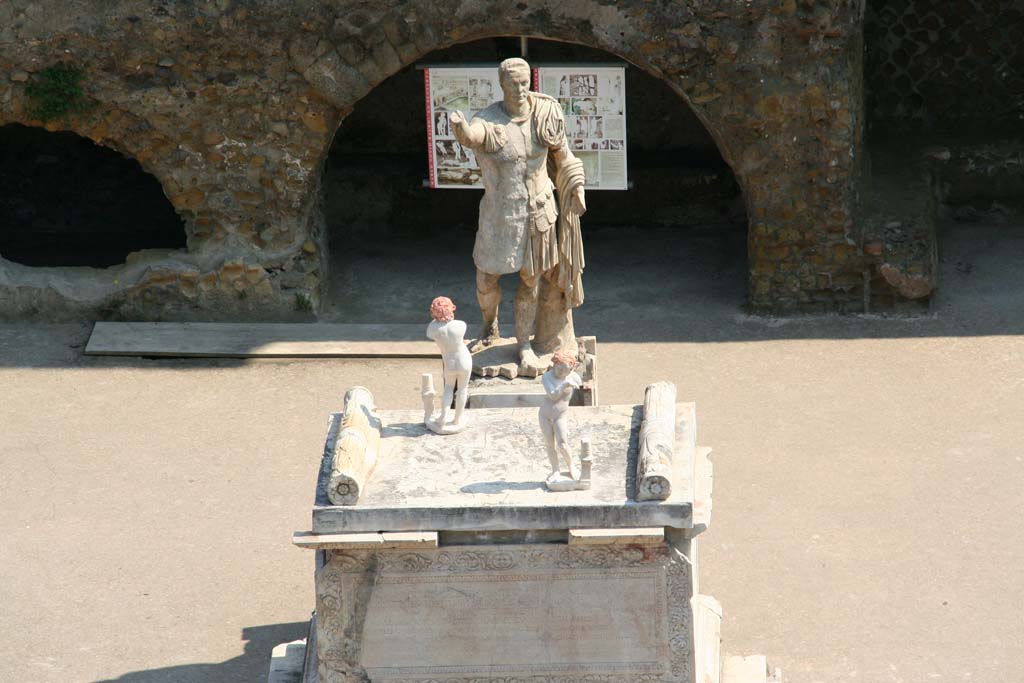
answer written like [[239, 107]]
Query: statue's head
[[442, 309], [514, 76], [563, 362]]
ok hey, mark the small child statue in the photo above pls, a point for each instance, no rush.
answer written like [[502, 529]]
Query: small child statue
[[559, 382], [449, 334]]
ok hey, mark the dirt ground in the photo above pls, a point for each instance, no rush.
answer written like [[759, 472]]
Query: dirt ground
[[868, 501]]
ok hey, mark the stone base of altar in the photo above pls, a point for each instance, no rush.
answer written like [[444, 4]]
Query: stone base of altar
[[297, 661]]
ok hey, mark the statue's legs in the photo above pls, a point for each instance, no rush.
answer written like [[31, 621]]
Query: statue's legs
[[554, 330], [488, 295], [446, 399], [549, 442], [526, 316], [462, 394], [562, 446]]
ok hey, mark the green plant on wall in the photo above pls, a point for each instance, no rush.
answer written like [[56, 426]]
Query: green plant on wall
[[56, 92], [303, 303]]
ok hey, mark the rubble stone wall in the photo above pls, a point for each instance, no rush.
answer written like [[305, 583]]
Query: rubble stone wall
[[232, 106]]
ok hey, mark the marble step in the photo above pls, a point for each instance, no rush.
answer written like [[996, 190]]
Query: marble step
[[752, 669], [286, 662]]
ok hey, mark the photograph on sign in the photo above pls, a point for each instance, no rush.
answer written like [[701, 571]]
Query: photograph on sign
[[592, 100]]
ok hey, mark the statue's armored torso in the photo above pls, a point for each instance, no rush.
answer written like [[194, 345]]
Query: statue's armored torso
[[518, 209]]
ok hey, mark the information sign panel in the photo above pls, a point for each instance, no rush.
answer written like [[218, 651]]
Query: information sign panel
[[593, 100]]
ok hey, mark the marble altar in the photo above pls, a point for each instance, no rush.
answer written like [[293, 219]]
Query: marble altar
[[456, 565]]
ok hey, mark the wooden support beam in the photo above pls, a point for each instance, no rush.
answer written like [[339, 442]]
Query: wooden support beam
[[636, 536], [389, 540]]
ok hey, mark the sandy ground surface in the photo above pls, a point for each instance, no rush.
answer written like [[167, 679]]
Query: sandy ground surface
[[869, 480]]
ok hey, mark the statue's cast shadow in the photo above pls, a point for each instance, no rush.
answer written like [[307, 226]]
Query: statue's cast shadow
[[501, 486]]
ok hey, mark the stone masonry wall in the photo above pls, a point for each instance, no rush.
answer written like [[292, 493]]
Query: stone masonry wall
[[232, 107]]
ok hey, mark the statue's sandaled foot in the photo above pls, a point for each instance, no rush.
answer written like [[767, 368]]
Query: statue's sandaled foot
[[488, 336], [529, 364]]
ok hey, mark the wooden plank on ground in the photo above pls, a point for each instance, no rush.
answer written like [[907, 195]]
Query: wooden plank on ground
[[261, 340], [366, 540]]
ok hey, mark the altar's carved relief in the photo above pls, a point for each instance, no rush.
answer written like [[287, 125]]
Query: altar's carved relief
[[575, 615]]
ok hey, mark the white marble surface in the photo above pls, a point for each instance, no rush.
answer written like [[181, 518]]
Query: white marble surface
[[541, 622], [491, 476]]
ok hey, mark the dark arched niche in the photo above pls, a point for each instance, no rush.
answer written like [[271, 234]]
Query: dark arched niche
[[66, 201], [684, 194]]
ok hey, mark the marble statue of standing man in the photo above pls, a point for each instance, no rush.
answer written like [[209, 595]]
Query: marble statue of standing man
[[521, 146]]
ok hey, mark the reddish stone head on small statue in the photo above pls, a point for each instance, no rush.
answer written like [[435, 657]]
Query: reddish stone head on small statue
[[442, 309], [563, 358]]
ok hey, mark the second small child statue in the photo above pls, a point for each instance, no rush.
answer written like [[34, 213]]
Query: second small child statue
[[559, 384]]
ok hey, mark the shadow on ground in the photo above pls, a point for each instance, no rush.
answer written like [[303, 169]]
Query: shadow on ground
[[683, 285], [642, 286], [250, 666]]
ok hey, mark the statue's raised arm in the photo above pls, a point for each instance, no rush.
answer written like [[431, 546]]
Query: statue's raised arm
[[469, 134]]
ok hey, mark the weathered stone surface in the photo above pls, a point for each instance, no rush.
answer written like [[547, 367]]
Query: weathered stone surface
[[506, 612], [707, 638], [908, 285], [355, 448], [487, 598], [657, 443], [491, 476], [286, 662]]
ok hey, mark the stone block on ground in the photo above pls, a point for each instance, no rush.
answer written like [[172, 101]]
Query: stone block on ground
[[286, 662], [900, 247], [707, 638], [752, 669]]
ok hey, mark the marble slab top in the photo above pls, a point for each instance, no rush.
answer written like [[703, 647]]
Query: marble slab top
[[491, 476]]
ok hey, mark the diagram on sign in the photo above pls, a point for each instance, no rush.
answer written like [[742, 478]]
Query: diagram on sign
[[594, 103], [450, 89], [593, 100]]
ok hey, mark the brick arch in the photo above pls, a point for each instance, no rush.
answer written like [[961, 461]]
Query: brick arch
[[788, 126], [371, 44]]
